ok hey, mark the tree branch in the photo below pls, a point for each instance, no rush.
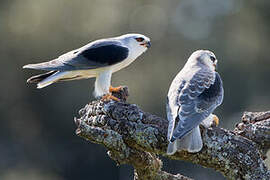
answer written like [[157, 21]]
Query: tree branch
[[135, 137]]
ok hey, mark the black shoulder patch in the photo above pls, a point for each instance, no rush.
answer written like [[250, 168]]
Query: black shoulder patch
[[107, 54], [213, 91]]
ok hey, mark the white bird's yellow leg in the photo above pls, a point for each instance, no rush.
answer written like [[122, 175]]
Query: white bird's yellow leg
[[108, 97], [115, 89]]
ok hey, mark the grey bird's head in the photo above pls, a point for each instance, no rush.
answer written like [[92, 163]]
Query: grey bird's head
[[138, 43], [204, 58]]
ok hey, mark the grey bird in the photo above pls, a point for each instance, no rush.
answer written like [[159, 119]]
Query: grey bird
[[195, 92], [98, 59]]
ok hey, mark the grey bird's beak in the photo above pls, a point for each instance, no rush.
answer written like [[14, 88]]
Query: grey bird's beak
[[146, 44]]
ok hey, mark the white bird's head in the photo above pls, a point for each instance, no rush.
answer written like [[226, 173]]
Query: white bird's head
[[204, 57], [138, 43]]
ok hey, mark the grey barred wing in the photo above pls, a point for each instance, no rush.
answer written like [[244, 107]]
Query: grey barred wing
[[172, 107], [196, 101]]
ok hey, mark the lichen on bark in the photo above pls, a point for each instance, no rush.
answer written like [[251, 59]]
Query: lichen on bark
[[135, 137]]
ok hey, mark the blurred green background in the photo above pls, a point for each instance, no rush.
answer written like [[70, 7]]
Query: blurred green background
[[37, 135]]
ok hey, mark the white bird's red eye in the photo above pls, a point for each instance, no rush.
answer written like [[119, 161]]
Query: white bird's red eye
[[139, 39]]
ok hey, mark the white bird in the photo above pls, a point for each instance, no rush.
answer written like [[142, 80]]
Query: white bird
[[98, 59], [194, 94]]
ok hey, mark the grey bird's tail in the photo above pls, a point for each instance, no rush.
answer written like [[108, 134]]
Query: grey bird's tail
[[192, 142]]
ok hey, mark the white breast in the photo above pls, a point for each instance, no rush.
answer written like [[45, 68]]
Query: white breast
[[121, 65]]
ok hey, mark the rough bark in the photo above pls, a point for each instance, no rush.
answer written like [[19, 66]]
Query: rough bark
[[135, 137]]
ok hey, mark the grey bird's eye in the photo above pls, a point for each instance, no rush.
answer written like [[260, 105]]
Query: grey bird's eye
[[213, 58], [139, 39]]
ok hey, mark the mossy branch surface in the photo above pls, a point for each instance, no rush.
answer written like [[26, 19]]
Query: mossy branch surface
[[135, 137]]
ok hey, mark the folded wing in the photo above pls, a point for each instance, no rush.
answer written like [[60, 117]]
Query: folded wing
[[196, 100], [95, 55]]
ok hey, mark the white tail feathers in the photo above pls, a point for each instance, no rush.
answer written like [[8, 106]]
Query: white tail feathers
[[196, 143], [192, 142], [51, 79], [31, 66], [42, 85], [172, 147], [25, 66]]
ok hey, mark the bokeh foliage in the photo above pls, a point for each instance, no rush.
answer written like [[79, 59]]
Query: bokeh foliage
[[37, 139]]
